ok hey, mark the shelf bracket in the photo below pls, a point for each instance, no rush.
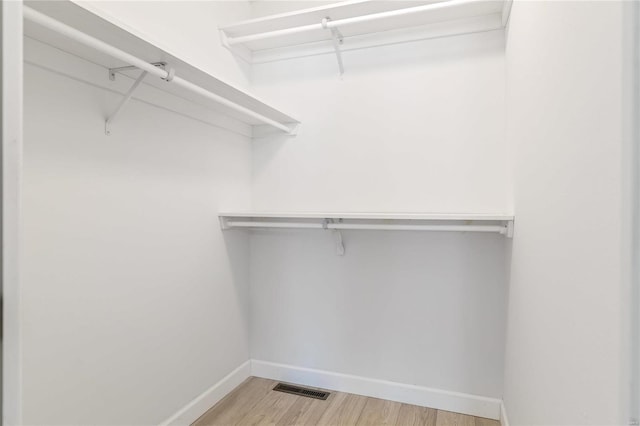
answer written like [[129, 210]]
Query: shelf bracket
[[509, 231], [123, 102], [337, 39], [114, 71], [337, 236], [224, 225], [129, 94]]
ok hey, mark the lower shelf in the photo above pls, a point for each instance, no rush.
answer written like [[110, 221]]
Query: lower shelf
[[501, 224]]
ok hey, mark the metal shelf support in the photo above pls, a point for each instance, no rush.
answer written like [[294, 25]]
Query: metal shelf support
[[118, 70], [337, 39], [127, 97]]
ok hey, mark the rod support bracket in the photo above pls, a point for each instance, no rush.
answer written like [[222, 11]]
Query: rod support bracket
[[114, 71], [509, 229], [337, 39], [224, 223], [170, 75], [293, 129], [337, 236], [334, 30], [123, 102], [224, 39]]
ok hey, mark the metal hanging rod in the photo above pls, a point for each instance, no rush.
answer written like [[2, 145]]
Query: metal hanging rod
[[257, 224], [500, 229], [76, 35], [346, 21], [448, 228]]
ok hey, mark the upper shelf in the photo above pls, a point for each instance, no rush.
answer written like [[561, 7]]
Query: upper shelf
[[266, 38], [216, 95]]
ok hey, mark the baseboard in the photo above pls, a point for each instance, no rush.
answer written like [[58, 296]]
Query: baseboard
[[504, 420], [410, 394], [196, 408]]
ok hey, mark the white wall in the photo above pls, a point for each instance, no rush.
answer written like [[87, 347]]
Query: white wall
[[11, 128], [411, 127], [134, 302], [419, 308], [565, 341]]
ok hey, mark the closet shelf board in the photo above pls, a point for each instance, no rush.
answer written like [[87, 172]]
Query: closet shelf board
[[371, 216]]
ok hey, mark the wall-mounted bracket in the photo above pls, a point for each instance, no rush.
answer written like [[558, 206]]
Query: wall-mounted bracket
[[337, 39], [114, 71], [339, 243], [509, 231], [337, 235], [129, 94], [123, 102], [224, 39], [223, 223], [239, 51], [293, 129]]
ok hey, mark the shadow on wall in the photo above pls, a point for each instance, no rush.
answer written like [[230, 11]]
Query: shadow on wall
[[412, 127], [238, 259]]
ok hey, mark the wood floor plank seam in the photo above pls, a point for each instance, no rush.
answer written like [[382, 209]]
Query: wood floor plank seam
[[222, 410], [254, 403]]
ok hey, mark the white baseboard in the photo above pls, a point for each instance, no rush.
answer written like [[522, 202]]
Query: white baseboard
[[504, 420], [492, 408], [196, 408], [410, 394]]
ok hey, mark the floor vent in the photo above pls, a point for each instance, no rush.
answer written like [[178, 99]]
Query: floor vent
[[297, 390]]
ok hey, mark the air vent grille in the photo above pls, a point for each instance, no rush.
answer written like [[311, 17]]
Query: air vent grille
[[298, 390]]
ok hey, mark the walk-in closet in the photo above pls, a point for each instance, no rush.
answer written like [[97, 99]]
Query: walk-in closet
[[368, 212]]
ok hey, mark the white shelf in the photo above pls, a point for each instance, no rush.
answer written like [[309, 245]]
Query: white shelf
[[273, 37], [371, 216], [95, 24], [462, 222]]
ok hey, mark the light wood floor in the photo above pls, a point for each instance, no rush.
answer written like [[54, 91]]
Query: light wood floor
[[255, 403]]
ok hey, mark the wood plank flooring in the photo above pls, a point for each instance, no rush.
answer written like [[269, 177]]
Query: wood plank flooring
[[255, 403]]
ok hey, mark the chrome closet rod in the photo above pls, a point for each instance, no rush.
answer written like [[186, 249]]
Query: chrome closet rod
[[367, 227]]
